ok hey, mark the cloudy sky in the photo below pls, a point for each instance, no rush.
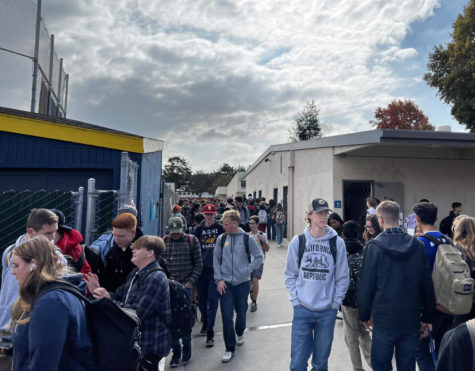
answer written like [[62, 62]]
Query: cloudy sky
[[221, 80]]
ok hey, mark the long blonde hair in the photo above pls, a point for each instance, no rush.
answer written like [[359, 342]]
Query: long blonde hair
[[48, 268], [464, 234]]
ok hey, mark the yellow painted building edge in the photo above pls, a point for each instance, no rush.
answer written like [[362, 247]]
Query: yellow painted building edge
[[69, 133]]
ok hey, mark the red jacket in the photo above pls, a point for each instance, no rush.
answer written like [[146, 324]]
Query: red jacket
[[70, 245]]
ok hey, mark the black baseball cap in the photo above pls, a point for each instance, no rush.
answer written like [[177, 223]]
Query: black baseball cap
[[318, 204]]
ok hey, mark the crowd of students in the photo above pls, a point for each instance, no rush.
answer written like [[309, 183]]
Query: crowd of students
[[377, 274]]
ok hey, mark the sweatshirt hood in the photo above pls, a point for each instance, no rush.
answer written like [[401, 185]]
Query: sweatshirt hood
[[398, 245], [329, 233], [353, 245]]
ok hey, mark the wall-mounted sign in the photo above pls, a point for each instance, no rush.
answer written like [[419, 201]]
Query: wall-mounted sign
[[337, 204]]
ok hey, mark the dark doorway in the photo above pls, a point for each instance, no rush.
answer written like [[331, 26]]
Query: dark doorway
[[276, 195], [355, 193], [285, 192]]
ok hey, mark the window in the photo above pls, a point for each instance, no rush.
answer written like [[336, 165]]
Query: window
[[281, 164]]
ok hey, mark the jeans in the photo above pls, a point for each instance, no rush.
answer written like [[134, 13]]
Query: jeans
[[312, 332], [186, 340], [279, 228], [234, 299], [207, 297], [423, 356], [384, 342], [271, 230]]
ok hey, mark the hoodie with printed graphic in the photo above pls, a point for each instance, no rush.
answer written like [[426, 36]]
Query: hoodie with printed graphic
[[319, 283]]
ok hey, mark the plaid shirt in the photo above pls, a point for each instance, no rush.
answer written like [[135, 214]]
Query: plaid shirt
[[148, 294], [184, 262]]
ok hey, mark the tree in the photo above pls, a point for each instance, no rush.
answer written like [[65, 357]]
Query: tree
[[307, 124], [177, 171], [200, 182], [452, 69], [401, 114]]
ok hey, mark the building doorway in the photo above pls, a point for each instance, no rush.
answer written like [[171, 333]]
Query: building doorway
[[355, 193]]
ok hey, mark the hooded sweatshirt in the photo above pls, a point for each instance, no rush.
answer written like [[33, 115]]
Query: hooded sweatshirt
[[318, 283], [70, 244], [231, 262], [396, 284]]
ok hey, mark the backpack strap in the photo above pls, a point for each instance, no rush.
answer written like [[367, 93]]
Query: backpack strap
[[60, 285], [303, 241], [438, 241], [222, 242], [246, 246]]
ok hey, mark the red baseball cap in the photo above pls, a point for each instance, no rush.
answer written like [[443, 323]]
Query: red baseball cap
[[209, 209]]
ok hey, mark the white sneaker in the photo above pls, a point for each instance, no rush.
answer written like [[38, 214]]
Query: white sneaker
[[240, 340], [227, 357], [339, 315]]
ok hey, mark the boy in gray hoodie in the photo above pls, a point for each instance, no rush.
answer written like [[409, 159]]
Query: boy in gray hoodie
[[317, 281], [232, 269]]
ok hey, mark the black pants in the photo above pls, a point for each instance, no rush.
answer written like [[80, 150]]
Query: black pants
[[150, 362]]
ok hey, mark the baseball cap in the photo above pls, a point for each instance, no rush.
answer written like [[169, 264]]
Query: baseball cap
[[209, 209], [61, 219], [318, 204], [175, 225]]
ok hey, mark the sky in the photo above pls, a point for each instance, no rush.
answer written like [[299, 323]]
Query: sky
[[220, 80]]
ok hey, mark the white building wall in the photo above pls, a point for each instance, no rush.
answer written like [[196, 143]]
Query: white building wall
[[234, 188], [440, 181]]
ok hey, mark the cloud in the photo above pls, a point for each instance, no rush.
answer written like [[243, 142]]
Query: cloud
[[221, 80]]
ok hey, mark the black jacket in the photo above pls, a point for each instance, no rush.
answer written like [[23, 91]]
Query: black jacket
[[396, 288], [354, 251]]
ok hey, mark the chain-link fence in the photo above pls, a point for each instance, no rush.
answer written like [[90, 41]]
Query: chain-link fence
[[21, 58], [16, 205]]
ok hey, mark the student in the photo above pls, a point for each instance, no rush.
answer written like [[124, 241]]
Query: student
[[263, 243], [57, 315], [317, 285]]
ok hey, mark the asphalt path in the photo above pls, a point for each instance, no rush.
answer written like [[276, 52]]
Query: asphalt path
[[267, 335]]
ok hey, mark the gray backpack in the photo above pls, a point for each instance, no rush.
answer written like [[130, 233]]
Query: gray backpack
[[453, 284]]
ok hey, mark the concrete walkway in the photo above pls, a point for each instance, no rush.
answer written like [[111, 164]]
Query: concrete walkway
[[267, 337]]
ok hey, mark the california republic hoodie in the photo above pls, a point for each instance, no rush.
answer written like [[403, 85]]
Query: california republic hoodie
[[318, 283]]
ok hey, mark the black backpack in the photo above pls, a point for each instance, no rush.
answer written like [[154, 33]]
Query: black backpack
[[246, 245], [115, 331], [183, 319], [303, 241]]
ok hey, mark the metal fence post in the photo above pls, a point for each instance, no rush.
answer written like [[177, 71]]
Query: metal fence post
[[50, 74], [35, 58], [124, 174], [91, 209], [79, 206]]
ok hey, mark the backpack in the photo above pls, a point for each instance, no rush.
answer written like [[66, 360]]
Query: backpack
[[183, 319], [115, 331], [303, 242], [246, 245], [279, 217], [453, 284], [262, 214]]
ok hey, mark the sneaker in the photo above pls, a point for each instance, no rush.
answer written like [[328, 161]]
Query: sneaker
[[227, 357], [339, 315], [174, 362], [204, 328], [253, 306], [209, 339], [184, 362], [240, 340]]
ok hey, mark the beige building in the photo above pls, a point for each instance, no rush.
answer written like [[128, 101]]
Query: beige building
[[236, 187], [403, 165]]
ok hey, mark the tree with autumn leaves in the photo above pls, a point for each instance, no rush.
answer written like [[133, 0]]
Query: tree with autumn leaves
[[402, 115]]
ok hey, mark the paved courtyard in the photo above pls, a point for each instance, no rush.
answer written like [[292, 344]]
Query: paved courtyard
[[267, 337]]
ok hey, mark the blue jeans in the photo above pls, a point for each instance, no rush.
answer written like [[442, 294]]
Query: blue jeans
[[271, 230], [384, 342], [186, 340], [312, 332], [423, 355], [207, 297], [279, 228], [234, 299]]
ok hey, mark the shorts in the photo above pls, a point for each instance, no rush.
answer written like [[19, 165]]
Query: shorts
[[257, 273]]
